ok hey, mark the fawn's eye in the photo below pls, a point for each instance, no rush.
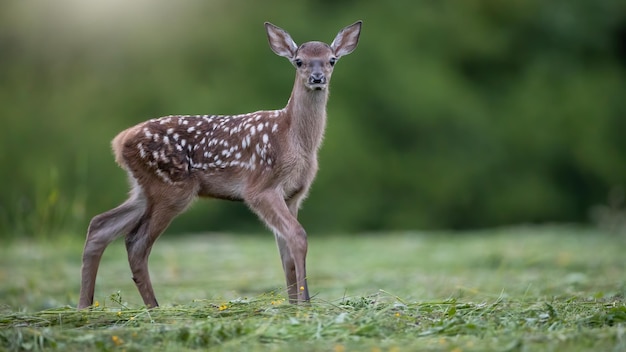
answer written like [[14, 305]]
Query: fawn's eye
[[298, 62], [332, 61]]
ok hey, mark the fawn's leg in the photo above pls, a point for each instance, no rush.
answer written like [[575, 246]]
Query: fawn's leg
[[163, 206], [291, 239], [103, 229], [289, 267]]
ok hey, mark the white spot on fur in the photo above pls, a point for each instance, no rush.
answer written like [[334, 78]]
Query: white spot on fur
[[142, 152], [163, 176], [252, 162]]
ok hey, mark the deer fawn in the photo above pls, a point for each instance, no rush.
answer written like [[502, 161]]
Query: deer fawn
[[267, 159]]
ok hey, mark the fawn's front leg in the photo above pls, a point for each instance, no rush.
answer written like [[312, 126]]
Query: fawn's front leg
[[290, 237]]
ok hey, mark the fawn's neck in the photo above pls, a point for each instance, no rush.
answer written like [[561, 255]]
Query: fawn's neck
[[306, 111]]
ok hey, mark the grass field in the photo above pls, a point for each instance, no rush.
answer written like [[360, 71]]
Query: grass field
[[510, 289]]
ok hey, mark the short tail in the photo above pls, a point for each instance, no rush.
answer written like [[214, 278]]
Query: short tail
[[119, 143]]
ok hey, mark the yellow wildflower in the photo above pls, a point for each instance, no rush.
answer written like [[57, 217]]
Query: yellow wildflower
[[339, 348], [222, 307], [96, 304], [277, 301], [116, 340]]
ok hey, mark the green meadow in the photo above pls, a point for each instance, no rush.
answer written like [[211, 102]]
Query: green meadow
[[507, 289]]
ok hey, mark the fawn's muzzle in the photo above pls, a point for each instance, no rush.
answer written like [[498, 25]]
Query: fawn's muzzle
[[317, 78]]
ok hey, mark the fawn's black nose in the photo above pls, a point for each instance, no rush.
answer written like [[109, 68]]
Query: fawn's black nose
[[317, 78]]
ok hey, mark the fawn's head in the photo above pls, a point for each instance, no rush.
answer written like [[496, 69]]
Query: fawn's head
[[314, 61]]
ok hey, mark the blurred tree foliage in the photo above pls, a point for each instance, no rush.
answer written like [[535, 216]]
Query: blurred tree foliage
[[450, 114]]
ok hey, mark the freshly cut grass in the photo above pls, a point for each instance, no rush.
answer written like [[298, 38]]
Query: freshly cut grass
[[512, 289]]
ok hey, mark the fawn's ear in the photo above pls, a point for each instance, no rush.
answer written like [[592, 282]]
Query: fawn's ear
[[347, 39], [280, 41]]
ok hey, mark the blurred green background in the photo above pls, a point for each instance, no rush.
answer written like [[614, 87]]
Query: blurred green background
[[450, 114]]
